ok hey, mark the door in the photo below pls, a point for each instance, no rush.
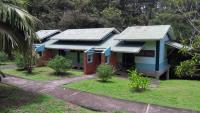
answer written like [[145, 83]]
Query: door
[[128, 60]]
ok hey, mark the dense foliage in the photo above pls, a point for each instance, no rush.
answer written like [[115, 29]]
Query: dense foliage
[[20, 62], [17, 30], [137, 81], [105, 72], [3, 57], [65, 14], [60, 64], [190, 67]]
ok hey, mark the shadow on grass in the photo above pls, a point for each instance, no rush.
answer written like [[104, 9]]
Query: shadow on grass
[[11, 97], [63, 74], [105, 82]]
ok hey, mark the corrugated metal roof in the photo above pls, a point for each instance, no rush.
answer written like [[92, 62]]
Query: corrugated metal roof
[[91, 34], [46, 33], [139, 33], [111, 42], [108, 43]]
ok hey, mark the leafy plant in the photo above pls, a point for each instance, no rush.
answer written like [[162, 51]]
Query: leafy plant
[[60, 64], [137, 81], [20, 62], [3, 57], [186, 68], [105, 72]]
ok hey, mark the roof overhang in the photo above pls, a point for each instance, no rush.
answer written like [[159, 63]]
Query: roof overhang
[[42, 34], [177, 45], [68, 47], [126, 49]]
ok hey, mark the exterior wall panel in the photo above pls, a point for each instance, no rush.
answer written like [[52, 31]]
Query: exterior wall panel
[[146, 63]]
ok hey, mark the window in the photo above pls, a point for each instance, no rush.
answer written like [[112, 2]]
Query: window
[[107, 60], [90, 58]]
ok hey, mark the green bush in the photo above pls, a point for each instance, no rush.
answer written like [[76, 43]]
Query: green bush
[[60, 64], [186, 68], [137, 81], [3, 57], [105, 72], [20, 62]]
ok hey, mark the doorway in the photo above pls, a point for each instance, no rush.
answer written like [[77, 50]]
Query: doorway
[[128, 60]]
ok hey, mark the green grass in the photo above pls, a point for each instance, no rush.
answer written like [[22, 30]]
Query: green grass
[[14, 100], [172, 93], [7, 63], [42, 74]]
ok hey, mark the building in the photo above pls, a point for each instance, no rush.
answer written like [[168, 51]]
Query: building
[[142, 47], [42, 37]]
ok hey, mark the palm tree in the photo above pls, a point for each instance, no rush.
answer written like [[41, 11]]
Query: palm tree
[[17, 30]]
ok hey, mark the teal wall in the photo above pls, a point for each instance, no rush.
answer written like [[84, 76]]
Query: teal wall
[[146, 63], [163, 54], [149, 63]]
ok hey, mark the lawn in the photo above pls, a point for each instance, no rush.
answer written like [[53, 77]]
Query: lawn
[[42, 74], [172, 93], [14, 100], [7, 63]]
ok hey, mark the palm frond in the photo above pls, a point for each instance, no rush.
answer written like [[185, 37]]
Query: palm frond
[[18, 27]]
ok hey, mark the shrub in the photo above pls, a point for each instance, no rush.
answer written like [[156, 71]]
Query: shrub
[[3, 57], [137, 81], [20, 62], [60, 64], [186, 68], [105, 72]]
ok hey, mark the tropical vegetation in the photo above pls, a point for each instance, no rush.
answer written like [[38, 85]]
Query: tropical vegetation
[[3, 57], [17, 30]]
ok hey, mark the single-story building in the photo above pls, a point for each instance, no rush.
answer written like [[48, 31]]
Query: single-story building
[[142, 47], [42, 37]]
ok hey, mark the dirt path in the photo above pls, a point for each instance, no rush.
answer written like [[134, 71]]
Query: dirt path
[[88, 100]]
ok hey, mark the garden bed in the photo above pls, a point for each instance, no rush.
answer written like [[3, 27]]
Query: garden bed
[[43, 74], [171, 93]]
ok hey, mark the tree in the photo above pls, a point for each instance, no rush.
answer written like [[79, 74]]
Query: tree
[[17, 26], [190, 10]]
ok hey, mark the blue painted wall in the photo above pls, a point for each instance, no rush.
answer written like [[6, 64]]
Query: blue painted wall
[[149, 63], [146, 63]]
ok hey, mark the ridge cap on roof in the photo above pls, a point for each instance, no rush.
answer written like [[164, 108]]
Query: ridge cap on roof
[[148, 26]]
